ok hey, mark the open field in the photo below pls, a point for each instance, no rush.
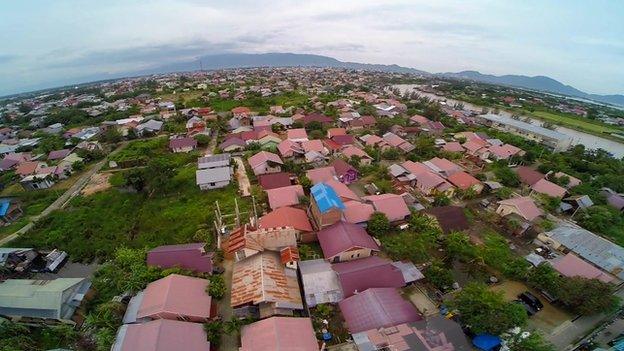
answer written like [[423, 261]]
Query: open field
[[579, 123]]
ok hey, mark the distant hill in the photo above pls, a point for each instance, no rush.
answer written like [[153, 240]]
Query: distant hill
[[220, 61], [540, 83]]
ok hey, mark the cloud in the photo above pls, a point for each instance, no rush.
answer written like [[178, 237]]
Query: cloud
[[7, 58]]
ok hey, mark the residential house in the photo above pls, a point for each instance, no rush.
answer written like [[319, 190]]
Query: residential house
[[528, 175], [245, 241], [265, 162], [279, 333], [290, 149], [285, 196], [320, 282], [182, 144], [377, 308], [392, 205], [375, 141], [213, 178], [214, 161], [297, 135], [442, 167], [426, 181], [37, 181], [343, 241], [449, 218], [546, 187], [453, 146], [345, 173], [287, 216], [371, 272], [151, 126], [398, 142], [572, 181], [614, 199], [232, 144], [504, 152], [436, 333], [571, 266], [465, 181], [187, 256], [267, 139], [161, 335], [351, 151], [357, 212], [54, 300], [321, 174], [274, 180], [10, 210], [174, 297], [195, 126], [263, 285], [523, 206], [325, 205]]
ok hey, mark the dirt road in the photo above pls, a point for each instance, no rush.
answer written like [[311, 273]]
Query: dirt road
[[241, 175]]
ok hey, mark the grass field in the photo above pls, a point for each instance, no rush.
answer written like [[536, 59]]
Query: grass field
[[575, 122]]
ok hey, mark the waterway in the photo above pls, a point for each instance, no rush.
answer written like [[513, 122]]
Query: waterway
[[578, 138]]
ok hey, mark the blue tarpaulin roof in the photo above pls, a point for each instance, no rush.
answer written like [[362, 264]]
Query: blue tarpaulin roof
[[4, 206], [325, 197], [486, 342]]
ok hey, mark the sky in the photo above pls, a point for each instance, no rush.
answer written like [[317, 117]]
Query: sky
[[45, 43]]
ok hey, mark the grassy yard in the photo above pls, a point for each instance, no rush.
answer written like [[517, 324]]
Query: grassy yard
[[575, 122], [94, 226], [32, 203]]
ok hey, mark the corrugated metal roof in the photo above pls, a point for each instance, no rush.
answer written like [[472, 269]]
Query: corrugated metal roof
[[325, 197]]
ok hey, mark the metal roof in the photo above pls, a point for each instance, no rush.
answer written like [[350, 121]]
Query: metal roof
[[595, 249], [526, 126], [326, 198]]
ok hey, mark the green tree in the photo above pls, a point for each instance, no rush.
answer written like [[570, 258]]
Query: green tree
[[441, 200], [588, 296], [507, 177], [439, 276], [216, 288], [391, 154], [486, 311], [202, 139], [534, 342], [378, 224], [214, 330]]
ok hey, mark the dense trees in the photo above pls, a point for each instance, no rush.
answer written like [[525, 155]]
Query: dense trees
[[486, 311], [378, 224]]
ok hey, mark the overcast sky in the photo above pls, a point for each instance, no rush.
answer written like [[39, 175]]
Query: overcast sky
[[55, 42]]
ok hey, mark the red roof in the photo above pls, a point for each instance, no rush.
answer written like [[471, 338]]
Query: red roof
[[176, 295], [279, 333], [289, 254], [163, 335], [528, 175], [572, 266], [392, 205], [240, 110], [544, 186], [188, 256], [525, 207], [370, 272], [180, 143], [274, 180], [343, 236], [463, 180], [286, 217], [284, 196]]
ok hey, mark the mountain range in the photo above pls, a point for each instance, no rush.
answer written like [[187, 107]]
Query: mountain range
[[240, 60]]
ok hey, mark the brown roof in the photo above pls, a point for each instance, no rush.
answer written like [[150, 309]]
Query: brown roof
[[274, 180], [262, 278], [450, 218], [528, 175], [261, 239]]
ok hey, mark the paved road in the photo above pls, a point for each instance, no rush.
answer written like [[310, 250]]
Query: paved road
[[241, 175], [566, 337], [62, 200]]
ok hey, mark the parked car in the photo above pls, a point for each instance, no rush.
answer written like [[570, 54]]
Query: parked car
[[531, 300]]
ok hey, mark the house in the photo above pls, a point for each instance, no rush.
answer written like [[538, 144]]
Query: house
[[287, 216], [182, 144], [213, 178], [245, 241], [602, 253], [321, 174], [274, 180], [267, 139], [343, 191], [392, 205], [332, 132], [195, 126], [504, 152], [58, 154], [29, 168], [241, 113], [214, 161], [317, 117], [453, 146], [288, 148], [371, 272], [161, 335], [343, 140], [325, 205], [571, 265], [343, 241], [351, 151], [523, 206], [572, 181], [285, 196], [187, 256], [357, 212], [262, 282], [265, 162], [449, 218], [614, 199], [151, 126], [279, 333], [553, 139], [297, 135], [377, 308], [10, 210], [345, 173], [465, 181], [546, 187], [37, 181], [174, 297], [320, 282], [426, 181], [42, 300], [442, 167], [436, 333], [232, 144], [398, 142], [528, 175]]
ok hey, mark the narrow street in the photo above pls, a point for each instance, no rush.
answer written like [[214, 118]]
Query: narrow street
[[241, 175], [228, 342]]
